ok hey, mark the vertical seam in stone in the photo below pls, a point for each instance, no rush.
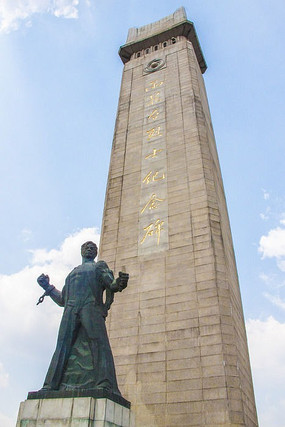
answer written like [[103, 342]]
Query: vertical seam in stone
[[216, 165], [215, 265], [39, 408], [124, 164], [191, 218], [212, 243], [138, 340], [71, 417], [121, 192], [165, 335]]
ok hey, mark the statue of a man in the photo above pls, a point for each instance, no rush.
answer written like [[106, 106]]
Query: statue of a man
[[83, 357]]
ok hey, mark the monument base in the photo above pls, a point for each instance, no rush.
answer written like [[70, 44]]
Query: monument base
[[74, 411]]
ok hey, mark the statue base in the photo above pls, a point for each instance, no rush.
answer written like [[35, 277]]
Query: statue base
[[96, 393], [56, 409]]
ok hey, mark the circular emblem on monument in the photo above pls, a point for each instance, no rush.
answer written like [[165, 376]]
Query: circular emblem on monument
[[154, 65]]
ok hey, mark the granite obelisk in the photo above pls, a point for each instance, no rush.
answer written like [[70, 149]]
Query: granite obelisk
[[178, 335]]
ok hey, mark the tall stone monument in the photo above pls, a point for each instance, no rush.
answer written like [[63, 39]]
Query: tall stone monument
[[178, 335]]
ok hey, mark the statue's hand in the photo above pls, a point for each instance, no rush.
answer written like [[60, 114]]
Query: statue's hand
[[43, 281], [122, 281]]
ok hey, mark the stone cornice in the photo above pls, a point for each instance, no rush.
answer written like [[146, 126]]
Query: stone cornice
[[185, 29]]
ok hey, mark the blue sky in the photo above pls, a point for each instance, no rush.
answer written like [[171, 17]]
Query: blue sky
[[59, 83]]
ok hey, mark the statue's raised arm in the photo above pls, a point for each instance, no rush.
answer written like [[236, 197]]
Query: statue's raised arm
[[50, 290]]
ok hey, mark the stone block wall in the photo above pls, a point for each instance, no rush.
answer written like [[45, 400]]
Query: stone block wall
[[177, 332]]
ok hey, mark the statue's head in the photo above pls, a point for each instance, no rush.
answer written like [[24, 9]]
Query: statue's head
[[89, 250]]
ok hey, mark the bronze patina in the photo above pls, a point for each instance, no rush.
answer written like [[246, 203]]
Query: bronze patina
[[83, 359]]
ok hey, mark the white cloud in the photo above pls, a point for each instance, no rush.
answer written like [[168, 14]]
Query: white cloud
[[266, 195], [281, 264], [66, 8], [28, 332], [13, 12], [4, 377], [263, 216], [57, 262], [266, 215], [276, 300], [267, 279], [26, 234], [20, 318], [6, 421], [267, 350], [273, 414], [273, 245], [272, 281], [69, 252]]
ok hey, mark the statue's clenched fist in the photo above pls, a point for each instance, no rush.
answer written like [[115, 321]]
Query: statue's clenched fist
[[121, 282], [43, 281]]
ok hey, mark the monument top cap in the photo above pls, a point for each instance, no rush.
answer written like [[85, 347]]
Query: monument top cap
[[172, 25], [163, 24]]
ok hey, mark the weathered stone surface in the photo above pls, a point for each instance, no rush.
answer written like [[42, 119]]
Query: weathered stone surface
[[78, 411], [178, 338]]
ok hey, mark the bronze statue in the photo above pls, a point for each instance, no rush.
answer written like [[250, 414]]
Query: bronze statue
[[83, 357]]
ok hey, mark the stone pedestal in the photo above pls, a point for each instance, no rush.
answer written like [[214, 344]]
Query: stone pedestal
[[73, 412]]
